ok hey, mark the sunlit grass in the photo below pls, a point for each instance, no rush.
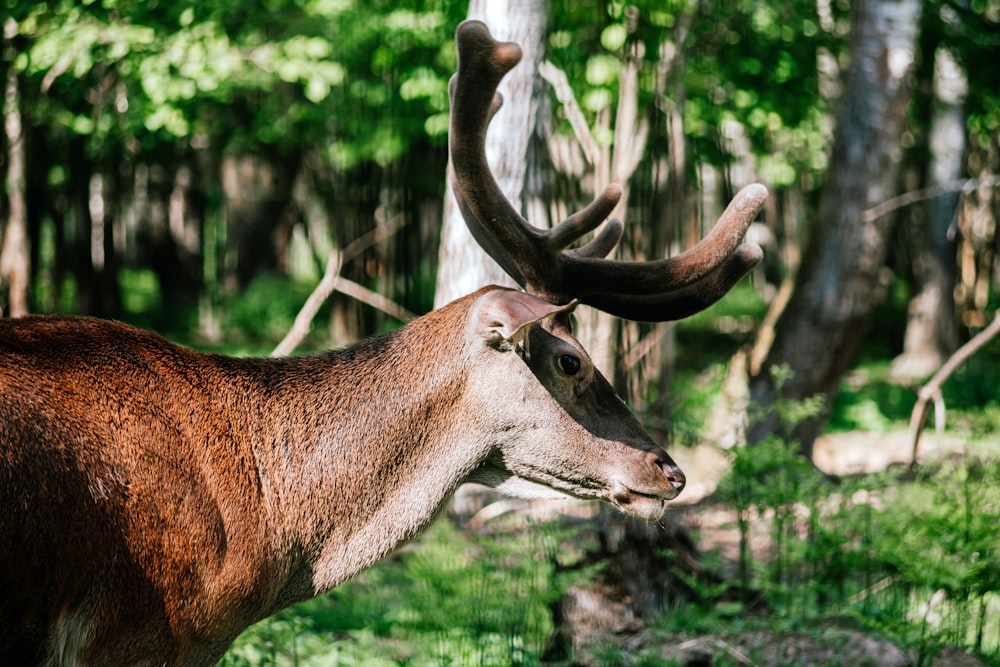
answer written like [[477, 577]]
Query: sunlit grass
[[452, 597]]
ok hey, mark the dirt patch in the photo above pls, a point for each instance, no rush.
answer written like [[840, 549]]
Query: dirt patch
[[824, 646]]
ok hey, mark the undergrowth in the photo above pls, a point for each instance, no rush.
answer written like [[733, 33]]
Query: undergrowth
[[911, 554], [452, 598]]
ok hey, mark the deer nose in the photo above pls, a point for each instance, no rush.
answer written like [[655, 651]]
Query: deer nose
[[673, 474]]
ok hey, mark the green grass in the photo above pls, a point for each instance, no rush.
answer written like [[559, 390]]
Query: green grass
[[453, 597]]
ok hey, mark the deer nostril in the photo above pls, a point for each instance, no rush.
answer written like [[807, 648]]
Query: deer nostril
[[673, 474]]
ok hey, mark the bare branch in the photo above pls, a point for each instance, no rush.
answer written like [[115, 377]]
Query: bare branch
[[564, 93], [332, 281], [373, 299], [914, 196], [303, 321], [932, 390]]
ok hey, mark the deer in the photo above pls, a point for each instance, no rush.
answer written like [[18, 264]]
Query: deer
[[157, 501]]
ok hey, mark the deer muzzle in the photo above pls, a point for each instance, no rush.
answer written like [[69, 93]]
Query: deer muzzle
[[645, 496]]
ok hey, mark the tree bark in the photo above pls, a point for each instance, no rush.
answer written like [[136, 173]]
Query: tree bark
[[842, 273], [931, 326], [257, 192], [463, 266], [14, 264]]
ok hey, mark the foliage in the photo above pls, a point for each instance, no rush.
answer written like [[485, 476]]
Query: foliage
[[745, 79], [280, 75], [772, 476], [911, 556], [451, 598], [915, 559], [871, 401]]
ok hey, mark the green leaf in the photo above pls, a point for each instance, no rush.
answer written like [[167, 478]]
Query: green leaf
[[613, 37]]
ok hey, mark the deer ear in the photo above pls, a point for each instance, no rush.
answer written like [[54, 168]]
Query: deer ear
[[505, 316]]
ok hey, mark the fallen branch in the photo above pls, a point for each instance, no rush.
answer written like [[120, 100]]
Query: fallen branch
[[880, 585], [932, 390], [332, 281]]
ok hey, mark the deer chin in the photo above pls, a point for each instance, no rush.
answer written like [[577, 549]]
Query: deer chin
[[648, 507], [635, 503], [519, 487], [510, 484], [644, 506]]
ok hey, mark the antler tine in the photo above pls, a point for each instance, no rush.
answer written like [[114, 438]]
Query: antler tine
[[660, 290], [673, 288], [680, 302], [660, 276]]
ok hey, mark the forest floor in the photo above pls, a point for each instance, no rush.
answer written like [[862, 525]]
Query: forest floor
[[827, 644], [762, 641], [837, 454]]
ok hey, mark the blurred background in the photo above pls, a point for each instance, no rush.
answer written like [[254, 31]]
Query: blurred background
[[196, 168]]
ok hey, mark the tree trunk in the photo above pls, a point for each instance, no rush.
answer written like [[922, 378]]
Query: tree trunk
[[103, 253], [931, 325], [257, 192], [81, 261], [14, 265], [174, 233], [463, 266], [842, 274]]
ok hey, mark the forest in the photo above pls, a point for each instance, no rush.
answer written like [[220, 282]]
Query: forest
[[243, 177]]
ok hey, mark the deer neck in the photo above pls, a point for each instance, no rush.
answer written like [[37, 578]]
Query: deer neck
[[350, 477]]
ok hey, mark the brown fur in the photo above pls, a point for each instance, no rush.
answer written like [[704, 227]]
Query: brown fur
[[158, 501]]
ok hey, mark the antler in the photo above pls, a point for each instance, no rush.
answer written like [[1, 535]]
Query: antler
[[667, 289]]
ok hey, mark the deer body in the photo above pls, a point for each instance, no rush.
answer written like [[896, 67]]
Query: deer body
[[197, 494]]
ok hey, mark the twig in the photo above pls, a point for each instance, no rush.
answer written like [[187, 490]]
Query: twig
[[914, 196], [734, 653], [332, 281], [649, 341], [932, 390], [879, 585], [303, 321], [564, 93], [373, 299]]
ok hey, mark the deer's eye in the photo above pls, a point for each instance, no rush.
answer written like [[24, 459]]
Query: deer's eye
[[569, 364]]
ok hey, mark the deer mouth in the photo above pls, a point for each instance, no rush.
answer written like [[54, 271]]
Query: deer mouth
[[647, 506], [649, 503]]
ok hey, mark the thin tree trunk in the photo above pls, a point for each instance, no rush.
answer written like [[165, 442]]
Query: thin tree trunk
[[931, 326], [80, 259], [631, 129], [14, 264], [819, 333]]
